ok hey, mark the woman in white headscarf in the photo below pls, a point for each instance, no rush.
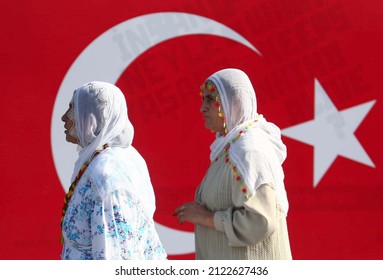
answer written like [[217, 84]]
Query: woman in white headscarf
[[241, 205], [108, 210]]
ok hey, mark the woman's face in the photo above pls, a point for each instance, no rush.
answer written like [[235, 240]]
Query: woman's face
[[69, 125], [210, 112]]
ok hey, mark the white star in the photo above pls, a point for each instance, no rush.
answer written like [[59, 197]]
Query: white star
[[331, 133]]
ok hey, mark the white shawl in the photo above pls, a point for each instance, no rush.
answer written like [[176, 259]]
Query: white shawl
[[256, 148], [101, 117]]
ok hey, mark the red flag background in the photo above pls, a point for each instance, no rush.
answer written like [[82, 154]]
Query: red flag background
[[309, 50]]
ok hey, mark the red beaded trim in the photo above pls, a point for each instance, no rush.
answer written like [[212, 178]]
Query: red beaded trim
[[245, 129], [236, 174]]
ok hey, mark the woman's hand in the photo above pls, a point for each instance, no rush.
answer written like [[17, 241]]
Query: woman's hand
[[194, 213]]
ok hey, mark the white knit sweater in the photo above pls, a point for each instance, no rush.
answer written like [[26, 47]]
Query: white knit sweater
[[244, 229]]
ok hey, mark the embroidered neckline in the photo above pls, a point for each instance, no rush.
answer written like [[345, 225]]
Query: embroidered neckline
[[72, 187]]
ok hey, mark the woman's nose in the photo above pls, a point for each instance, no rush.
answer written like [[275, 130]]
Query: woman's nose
[[202, 109], [64, 117]]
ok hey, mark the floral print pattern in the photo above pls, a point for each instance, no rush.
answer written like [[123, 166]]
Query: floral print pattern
[[115, 227]]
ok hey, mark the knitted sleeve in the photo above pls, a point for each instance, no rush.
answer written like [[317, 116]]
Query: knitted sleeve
[[250, 221]]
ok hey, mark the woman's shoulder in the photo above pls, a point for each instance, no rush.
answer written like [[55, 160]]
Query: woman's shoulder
[[106, 170], [115, 168], [105, 162]]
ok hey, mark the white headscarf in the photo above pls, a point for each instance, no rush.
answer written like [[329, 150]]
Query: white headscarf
[[101, 117], [256, 148]]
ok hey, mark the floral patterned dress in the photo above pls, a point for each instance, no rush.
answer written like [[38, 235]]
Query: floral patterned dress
[[108, 224]]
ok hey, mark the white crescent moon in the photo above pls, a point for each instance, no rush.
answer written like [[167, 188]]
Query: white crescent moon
[[105, 59]]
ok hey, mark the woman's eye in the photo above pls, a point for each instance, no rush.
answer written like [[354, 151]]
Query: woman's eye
[[208, 99]]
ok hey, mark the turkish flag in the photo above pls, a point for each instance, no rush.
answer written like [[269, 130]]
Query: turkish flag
[[316, 68]]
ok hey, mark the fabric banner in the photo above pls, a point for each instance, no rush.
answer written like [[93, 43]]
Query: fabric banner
[[316, 69]]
